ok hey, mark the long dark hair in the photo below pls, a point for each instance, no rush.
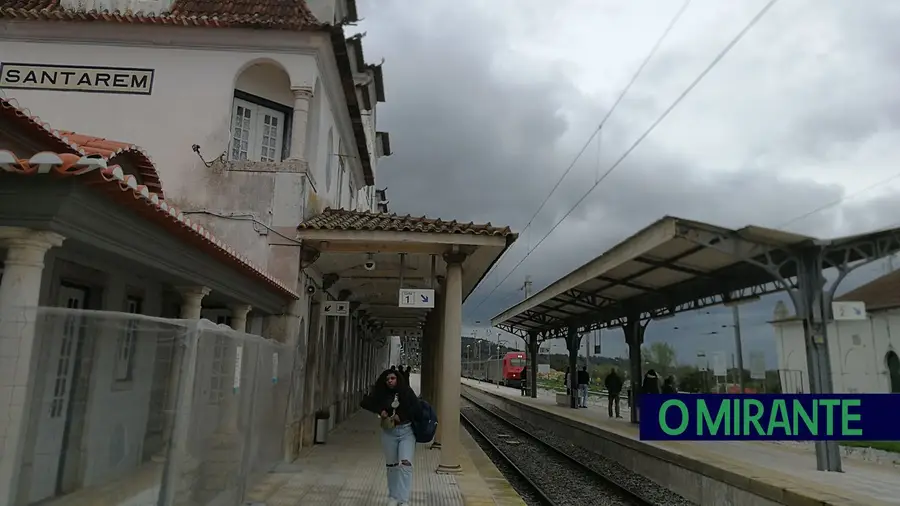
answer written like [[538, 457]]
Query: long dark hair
[[380, 389]]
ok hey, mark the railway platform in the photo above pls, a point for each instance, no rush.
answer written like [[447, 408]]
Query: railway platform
[[349, 470], [788, 475]]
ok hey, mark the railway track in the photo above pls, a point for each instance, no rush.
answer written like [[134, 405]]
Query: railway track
[[556, 478]]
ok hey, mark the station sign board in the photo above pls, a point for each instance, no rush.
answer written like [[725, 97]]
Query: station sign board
[[416, 298], [335, 308], [719, 364], [757, 365], [403, 332], [849, 310]]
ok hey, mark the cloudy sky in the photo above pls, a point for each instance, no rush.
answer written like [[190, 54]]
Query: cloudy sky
[[488, 103]]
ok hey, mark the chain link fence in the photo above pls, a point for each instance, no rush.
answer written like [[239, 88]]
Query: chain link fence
[[125, 409]]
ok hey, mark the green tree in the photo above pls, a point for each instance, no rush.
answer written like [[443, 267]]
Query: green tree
[[659, 356]]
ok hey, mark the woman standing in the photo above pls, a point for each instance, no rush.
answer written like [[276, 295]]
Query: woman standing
[[397, 406]]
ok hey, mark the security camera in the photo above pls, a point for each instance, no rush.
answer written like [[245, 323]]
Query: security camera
[[310, 289], [370, 263]]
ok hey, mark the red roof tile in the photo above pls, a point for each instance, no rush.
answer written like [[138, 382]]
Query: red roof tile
[[115, 151], [278, 14], [340, 219], [96, 172], [879, 294]]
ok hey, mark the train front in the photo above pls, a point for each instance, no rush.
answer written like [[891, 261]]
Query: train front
[[514, 366]]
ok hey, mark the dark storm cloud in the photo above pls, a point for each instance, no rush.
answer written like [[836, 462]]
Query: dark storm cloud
[[467, 145], [473, 142]]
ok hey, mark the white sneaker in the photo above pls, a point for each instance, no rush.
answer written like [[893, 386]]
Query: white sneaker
[[392, 502]]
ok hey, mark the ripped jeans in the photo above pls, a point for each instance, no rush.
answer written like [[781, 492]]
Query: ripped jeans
[[399, 445]]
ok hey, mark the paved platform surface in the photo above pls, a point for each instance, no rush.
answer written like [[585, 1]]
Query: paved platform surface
[[861, 482], [349, 471]]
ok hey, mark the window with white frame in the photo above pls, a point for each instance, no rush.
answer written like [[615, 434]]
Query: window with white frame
[[257, 132], [127, 342]]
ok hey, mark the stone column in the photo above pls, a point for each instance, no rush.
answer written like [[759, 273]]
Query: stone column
[[191, 306], [20, 291], [425, 370], [231, 402], [239, 314], [450, 370], [302, 96], [437, 367]]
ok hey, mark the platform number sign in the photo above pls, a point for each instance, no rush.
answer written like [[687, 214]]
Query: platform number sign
[[335, 308], [416, 298]]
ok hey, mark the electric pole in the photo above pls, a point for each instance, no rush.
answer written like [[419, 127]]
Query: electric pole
[[526, 287]]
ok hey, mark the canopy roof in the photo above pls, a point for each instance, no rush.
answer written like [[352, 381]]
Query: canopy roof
[[670, 266]]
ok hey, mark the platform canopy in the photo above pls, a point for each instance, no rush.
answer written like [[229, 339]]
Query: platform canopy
[[671, 266]]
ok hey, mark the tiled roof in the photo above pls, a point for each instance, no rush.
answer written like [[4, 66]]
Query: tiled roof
[[340, 219], [96, 172], [114, 151], [878, 294], [70, 142], [278, 14]]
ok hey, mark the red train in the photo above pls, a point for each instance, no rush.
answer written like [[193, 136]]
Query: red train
[[509, 371]]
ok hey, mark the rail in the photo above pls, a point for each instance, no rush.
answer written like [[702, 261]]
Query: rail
[[629, 495]]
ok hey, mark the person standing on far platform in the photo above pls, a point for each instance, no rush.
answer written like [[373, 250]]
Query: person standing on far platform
[[669, 386], [613, 384], [523, 381], [584, 379], [397, 407]]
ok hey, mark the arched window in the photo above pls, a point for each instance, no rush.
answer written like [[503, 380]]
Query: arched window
[[893, 367]]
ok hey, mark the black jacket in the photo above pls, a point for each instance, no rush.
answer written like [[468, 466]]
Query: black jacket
[[584, 378], [669, 387], [613, 383], [409, 410], [651, 383]]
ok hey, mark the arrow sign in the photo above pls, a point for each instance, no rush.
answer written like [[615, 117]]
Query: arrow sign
[[335, 308], [849, 310], [416, 298]]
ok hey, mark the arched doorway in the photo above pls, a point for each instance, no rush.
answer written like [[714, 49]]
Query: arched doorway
[[893, 367]]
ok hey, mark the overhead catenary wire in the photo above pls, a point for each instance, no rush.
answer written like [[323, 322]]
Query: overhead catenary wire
[[839, 201], [727, 49], [612, 109]]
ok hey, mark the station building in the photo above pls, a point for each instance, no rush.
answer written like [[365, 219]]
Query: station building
[[257, 210], [863, 352]]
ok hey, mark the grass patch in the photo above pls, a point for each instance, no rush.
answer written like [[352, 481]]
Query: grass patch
[[888, 446]]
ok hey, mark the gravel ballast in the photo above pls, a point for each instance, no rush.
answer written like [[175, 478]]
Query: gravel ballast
[[560, 479], [641, 486]]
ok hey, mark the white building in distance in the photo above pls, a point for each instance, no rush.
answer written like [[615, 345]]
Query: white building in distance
[[863, 352]]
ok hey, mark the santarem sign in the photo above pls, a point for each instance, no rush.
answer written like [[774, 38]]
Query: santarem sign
[[75, 78]]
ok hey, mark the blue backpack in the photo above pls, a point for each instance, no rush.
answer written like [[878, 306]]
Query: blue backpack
[[425, 428]]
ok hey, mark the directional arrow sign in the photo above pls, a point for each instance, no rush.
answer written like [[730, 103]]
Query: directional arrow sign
[[417, 298], [849, 310], [335, 308]]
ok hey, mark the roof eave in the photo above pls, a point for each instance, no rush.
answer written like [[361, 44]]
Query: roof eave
[[339, 46]]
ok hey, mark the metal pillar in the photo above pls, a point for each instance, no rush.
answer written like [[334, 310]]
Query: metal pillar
[[738, 346], [532, 364], [573, 342], [634, 337], [813, 303]]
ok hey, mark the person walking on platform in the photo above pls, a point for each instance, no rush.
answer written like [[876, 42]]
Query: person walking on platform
[[566, 380], [613, 384], [397, 406], [523, 381], [584, 379]]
